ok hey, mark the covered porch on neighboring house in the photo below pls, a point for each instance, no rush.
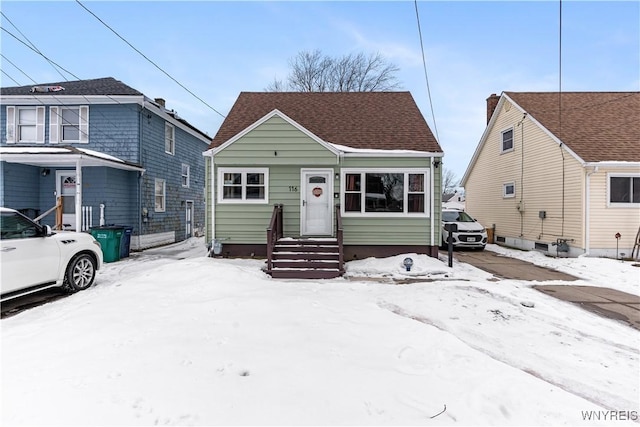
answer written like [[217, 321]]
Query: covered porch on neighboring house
[[66, 164]]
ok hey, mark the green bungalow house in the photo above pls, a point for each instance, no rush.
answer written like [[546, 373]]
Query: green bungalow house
[[310, 180]]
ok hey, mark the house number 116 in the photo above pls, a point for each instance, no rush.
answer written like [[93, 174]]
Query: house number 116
[[293, 188]]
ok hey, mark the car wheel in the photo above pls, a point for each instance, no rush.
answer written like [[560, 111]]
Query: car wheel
[[80, 273]]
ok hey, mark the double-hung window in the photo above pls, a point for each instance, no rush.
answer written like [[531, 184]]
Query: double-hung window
[[69, 124], [160, 195], [385, 192], [169, 139], [25, 124], [186, 172], [507, 141], [624, 190], [240, 185]]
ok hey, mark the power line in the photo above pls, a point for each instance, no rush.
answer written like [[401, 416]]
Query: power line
[[145, 57], [34, 46], [14, 80], [426, 77]]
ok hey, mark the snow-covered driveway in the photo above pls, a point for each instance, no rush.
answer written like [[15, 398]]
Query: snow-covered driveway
[[202, 341]]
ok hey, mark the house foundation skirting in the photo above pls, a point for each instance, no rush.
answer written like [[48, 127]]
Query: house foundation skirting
[[351, 252]]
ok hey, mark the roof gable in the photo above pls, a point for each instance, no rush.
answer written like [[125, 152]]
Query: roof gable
[[373, 120], [274, 113], [596, 126]]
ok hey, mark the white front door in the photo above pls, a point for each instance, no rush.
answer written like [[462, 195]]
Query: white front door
[[66, 187], [316, 211]]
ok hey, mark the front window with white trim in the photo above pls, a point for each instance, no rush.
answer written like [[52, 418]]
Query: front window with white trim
[[624, 190], [385, 192], [25, 124], [160, 195], [509, 190], [69, 124], [240, 185]]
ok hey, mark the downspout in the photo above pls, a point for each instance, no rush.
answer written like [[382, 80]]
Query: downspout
[[212, 200], [587, 208], [433, 208], [140, 174]]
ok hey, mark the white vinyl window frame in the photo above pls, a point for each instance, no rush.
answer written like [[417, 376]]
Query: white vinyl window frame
[[507, 141], [25, 125], [186, 175], [160, 195], [57, 124], [242, 185], [509, 190], [426, 185], [633, 181], [169, 138]]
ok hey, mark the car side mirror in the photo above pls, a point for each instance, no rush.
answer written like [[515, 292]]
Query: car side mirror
[[47, 230]]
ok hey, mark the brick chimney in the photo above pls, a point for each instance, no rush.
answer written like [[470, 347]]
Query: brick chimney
[[160, 101], [492, 103]]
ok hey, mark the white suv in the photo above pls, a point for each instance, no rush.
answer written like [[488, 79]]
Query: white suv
[[33, 258], [470, 234]]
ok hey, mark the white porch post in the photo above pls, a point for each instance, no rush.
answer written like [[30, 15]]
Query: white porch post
[[78, 195]]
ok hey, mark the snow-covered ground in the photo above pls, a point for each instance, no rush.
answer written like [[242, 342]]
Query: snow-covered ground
[[172, 337]]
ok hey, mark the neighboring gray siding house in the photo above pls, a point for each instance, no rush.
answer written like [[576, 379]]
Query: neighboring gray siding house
[[114, 155], [355, 174]]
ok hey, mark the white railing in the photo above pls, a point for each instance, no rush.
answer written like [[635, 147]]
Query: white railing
[[87, 218]]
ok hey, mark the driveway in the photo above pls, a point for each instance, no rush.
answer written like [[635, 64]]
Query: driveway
[[606, 302]]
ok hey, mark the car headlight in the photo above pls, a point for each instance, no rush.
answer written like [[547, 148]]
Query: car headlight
[[484, 230]]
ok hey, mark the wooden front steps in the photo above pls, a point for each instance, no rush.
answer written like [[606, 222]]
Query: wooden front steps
[[306, 259]]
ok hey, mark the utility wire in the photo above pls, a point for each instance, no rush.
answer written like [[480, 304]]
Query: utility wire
[[34, 46], [14, 80], [145, 57], [426, 77], [41, 54]]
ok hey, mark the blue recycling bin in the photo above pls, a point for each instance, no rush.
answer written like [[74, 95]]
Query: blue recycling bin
[[125, 241]]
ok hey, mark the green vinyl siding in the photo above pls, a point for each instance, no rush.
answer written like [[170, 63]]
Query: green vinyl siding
[[247, 223], [275, 142], [386, 231], [285, 150]]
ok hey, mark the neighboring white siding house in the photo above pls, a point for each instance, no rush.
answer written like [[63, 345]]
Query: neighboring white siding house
[[559, 172]]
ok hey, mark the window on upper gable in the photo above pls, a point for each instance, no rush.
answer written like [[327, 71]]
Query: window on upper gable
[[186, 172], [507, 141], [69, 124], [624, 190], [25, 124], [160, 195], [169, 139]]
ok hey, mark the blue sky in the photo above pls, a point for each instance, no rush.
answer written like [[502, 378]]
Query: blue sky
[[217, 49]]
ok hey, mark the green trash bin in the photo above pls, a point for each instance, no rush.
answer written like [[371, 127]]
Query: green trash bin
[[109, 238]]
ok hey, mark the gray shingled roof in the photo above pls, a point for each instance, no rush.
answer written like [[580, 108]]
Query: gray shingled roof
[[369, 120], [597, 126], [102, 86]]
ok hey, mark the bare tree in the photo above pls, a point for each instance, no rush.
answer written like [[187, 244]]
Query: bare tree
[[315, 72], [449, 181]]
